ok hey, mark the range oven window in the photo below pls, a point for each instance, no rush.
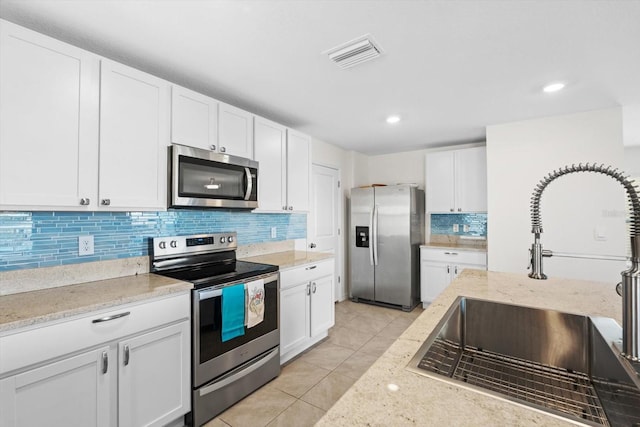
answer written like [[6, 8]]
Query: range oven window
[[208, 179], [210, 326]]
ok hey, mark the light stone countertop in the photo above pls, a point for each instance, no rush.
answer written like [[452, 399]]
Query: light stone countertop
[[459, 246], [422, 401], [289, 259], [30, 308]]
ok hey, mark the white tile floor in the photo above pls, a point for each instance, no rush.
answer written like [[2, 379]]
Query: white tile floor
[[311, 383]]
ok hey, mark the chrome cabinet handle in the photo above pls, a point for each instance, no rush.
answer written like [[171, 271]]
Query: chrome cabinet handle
[[105, 362], [213, 147], [85, 201], [459, 209], [448, 270], [107, 318], [311, 268], [312, 245], [106, 202], [451, 210], [455, 270], [451, 253], [223, 150], [313, 287], [126, 355], [284, 208], [308, 290], [290, 208]]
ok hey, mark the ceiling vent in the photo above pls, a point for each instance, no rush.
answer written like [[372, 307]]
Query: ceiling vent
[[355, 52]]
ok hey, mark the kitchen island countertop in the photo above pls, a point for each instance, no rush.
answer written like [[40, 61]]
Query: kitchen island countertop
[[425, 401], [289, 259], [34, 307]]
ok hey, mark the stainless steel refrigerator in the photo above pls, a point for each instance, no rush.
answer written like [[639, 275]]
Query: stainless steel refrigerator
[[386, 231]]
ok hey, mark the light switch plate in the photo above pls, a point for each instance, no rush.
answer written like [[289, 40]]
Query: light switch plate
[[85, 245], [465, 228], [456, 228], [274, 232]]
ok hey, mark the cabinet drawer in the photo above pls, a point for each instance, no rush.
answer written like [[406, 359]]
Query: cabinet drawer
[[29, 347], [306, 273], [456, 256]]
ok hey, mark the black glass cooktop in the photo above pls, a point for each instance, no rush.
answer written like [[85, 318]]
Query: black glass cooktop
[[205, 275]]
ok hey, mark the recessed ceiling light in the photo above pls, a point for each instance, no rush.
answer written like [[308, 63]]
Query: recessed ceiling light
[[393, 119], [553, 87]]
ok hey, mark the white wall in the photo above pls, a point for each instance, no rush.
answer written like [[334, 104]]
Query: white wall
[[572, 208], [334, 157], [397, 168], [631, 125]]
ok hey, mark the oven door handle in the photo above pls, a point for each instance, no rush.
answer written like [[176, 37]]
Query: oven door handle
[[244, 371], [203, 295], [247, 172]]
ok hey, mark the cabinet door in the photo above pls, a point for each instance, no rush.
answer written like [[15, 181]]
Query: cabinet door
[[194, 119], [434, 278], [294, 317], [235, 131], [270, 152], [471, 180], [439, 185], [322, 305], [70, 392], [134, 125], [298, 161], [153, 381], [48, 122]]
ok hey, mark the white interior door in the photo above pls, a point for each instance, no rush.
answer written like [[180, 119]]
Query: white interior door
[[324, 218]]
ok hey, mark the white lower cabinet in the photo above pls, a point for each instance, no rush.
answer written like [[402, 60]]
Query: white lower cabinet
[[70, 392], [137, 374], [439, 267], [307, 309]]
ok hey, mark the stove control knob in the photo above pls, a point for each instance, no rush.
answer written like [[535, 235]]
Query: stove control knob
[[222, 239], [230, 239], [173, 244], [162, 245]]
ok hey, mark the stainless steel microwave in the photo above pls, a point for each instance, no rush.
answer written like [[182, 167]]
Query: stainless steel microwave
[[204, 179]]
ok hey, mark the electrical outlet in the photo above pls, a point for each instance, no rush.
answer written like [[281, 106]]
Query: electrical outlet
[[465, 228], [274, 232], [85, 245], [456, 228]]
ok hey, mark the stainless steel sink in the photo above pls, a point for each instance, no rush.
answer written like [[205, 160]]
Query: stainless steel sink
[[561, 363]]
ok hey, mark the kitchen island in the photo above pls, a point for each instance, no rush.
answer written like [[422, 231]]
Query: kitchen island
[[390, 395]]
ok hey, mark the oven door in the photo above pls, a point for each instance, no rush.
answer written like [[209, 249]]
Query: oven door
[[211, 356], [201, 178]]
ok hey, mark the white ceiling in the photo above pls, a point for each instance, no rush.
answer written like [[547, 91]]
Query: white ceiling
[[449, 68]]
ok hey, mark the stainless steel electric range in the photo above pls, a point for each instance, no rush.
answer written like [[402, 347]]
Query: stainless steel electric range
[[223, 372]]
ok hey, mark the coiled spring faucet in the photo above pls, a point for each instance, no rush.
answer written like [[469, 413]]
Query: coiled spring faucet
[[630, 278]]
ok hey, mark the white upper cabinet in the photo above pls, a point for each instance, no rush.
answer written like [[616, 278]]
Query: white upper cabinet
[[298, 169], [203, 122], [270, 152], [134, 134], [283, 174], [235, 131], [194, 119], [456, 180], [48, 122]]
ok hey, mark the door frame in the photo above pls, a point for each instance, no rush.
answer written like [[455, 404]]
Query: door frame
[[339, 276]]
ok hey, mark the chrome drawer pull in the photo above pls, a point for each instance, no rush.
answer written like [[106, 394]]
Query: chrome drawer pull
[[126, 355], [107, 318], [311, 268]]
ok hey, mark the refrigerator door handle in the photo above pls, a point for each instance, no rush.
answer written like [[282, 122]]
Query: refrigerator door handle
[[371, 237], [375, 235]]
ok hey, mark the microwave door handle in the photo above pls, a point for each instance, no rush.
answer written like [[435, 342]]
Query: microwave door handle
[[247, 172]]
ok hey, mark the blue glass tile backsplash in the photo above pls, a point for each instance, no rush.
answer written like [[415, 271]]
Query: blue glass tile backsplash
[[443, 224], [45, 239]]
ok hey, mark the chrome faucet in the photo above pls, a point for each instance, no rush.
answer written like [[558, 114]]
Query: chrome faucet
[[630, 284]]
